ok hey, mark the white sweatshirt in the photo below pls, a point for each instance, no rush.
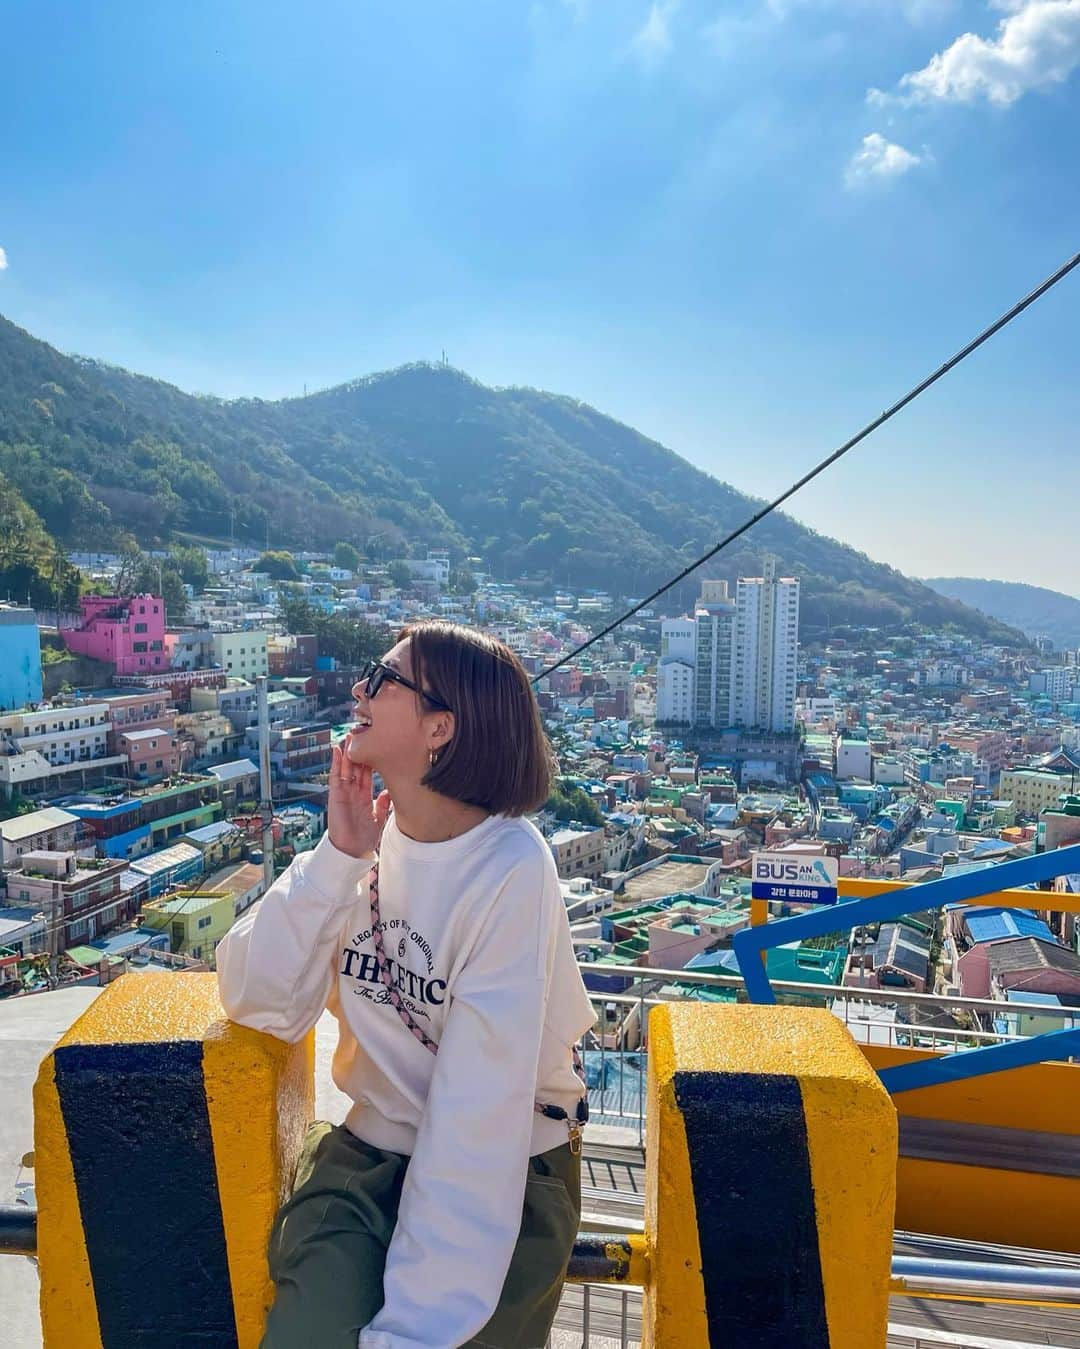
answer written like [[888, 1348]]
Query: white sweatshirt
[[479, 944]]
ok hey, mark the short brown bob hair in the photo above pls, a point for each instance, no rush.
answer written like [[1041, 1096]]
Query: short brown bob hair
[[499, 757]]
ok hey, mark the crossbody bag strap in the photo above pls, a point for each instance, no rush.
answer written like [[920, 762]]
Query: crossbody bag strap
[[574, 1126]]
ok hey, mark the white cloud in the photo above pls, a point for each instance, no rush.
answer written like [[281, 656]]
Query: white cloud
[[653, 39], [1037, 46], [3, 260], [879, 160]]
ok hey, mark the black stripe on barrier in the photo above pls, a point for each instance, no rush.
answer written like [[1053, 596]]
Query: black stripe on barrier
[[600, 1258], [138, 1131], [750, 1166]]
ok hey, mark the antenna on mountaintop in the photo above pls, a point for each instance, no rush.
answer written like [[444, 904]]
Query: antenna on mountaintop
[[445, 362]]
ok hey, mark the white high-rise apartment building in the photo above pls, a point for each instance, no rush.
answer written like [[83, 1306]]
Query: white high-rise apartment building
[[675, 672], [733, 663], [714, 656], [766, 651]]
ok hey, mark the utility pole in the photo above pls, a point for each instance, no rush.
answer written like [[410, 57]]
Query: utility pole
[[266, 803]]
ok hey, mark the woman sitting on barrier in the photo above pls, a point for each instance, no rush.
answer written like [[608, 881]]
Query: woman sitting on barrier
[[431, 924]]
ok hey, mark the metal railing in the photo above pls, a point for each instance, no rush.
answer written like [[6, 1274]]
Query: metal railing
[[609, 1314], [615, 1049]]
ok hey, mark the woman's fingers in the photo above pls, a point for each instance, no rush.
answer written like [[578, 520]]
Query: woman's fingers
[[348, 768], [382, 809]]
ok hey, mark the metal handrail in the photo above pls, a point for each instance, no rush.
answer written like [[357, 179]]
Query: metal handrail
[[841, 992], [914, 1276], [912, 1029]]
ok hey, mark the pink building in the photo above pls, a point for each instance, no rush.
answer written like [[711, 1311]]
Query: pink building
[[137, 710], [151, 753], [128, 633], [995, 748], [973, 971], [565, 682], [685, 932]]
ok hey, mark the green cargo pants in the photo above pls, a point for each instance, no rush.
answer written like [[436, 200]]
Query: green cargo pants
[[328, 1246]]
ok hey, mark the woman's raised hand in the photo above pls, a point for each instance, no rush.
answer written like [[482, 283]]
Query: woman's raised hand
[[354, 822]]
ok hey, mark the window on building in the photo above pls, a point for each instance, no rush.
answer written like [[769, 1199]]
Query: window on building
[[140, 627], [138, 646], [205, 922]]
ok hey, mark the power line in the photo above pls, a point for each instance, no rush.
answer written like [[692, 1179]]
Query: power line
[[760, 515]]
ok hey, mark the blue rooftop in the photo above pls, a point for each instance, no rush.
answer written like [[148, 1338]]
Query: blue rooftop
[[1025, 995], [122, 942], [984, 846], [992, 924], [714, 962]]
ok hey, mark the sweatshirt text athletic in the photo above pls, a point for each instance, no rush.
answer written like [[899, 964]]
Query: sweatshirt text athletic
[[479, 945]]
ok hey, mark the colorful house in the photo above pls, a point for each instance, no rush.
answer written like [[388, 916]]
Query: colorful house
[[195, 921], [20, 657], [128, 633]]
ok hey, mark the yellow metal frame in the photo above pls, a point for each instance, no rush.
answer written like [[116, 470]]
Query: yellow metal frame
[[853, 887]]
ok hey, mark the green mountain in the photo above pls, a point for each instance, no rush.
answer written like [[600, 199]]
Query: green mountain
[[32, 566], [1033, 609], [422, 456]]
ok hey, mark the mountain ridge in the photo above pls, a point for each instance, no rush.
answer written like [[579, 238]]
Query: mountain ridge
[[402, 460], [1035, 610]]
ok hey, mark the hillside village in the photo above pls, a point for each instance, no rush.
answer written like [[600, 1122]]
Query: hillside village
[[133, 836]]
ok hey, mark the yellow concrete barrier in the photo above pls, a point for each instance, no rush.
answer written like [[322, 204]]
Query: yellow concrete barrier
[[165, 1138], [771, 1172]]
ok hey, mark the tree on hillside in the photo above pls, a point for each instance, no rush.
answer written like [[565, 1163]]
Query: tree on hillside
[[571, 803], [346, 557], [280, 566], [462, 581], [347, 640], [400, 575], [31, 565], [192, 565], [140, 574]]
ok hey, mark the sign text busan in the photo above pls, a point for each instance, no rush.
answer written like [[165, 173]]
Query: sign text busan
[[799, 880]]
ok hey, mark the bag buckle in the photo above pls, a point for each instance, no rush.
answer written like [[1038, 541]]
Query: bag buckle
[[575, 1130]]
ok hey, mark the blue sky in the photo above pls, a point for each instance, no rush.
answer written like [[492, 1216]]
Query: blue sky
[[743, 227]]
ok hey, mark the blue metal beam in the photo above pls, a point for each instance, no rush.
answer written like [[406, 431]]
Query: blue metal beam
[[750, 943], [967, 1063]]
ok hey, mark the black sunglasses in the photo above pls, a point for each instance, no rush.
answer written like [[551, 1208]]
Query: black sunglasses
[[375, 672]]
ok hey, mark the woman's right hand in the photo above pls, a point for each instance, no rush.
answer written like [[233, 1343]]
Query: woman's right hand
[[353, 821]]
